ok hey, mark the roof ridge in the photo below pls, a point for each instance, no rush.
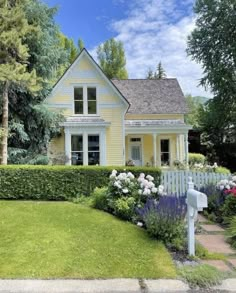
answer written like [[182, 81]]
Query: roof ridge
[[144, 78]]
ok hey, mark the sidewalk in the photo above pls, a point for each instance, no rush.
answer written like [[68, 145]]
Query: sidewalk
[[212, 238], [92, 286]]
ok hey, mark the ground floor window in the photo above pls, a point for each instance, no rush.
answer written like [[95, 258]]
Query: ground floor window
[[165, 152], [85, 149]]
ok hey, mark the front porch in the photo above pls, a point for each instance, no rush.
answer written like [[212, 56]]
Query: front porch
[[156, 143]]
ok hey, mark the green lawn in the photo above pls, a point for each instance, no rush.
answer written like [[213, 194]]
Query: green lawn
[[65, 240]]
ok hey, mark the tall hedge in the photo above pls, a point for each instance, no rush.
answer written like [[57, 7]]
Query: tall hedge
[[58, 182]]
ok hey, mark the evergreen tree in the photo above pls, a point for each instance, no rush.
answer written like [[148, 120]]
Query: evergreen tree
[[160, 72], [111, 57], [14, 28], [31, 124], [150, 74]]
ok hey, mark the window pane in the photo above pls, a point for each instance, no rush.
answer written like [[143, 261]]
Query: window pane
[[79, 107], [165, 145], [78, 93], [76, 143], [92, 107], [93, 142], [77, 158], [91, 91], [93, 158], [165, 159]]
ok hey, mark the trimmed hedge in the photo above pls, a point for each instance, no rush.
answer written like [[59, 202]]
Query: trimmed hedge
[[58, 182]]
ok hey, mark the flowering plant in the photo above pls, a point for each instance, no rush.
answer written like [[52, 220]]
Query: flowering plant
[[226, 184]]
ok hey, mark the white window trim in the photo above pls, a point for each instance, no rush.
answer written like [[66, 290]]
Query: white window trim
[[102, 144], [85, 99]]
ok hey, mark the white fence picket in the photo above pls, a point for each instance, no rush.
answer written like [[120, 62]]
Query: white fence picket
[[175, 182]]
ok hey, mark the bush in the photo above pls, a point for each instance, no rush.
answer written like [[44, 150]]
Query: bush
[[194, 158], [124, 208], [164, 219], [58, 182], [202, 276], [231, 232], [99, 198], [229, 208], [222, 170]]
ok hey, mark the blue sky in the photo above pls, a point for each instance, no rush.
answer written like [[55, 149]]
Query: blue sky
[[151, 31]]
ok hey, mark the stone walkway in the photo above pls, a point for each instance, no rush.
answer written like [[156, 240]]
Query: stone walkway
[[212, 238]]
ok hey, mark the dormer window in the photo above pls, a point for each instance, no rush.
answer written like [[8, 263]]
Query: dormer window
[[85, 100]]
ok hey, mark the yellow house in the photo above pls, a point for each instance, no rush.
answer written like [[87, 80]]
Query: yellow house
[[112, 122]]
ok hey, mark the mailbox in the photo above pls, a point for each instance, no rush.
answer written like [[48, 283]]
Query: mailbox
[[196, 199]]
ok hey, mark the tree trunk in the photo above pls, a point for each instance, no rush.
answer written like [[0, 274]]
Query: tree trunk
[[3, 153]]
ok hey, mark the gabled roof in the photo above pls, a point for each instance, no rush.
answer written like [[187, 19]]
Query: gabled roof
[[153, 96], [85, 52]]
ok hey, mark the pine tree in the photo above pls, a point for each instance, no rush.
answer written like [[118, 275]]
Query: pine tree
[[14, 57], [160, 72], [111, 56], [150, 74]]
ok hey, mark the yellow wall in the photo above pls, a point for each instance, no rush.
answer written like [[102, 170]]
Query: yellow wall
[[111, 108]]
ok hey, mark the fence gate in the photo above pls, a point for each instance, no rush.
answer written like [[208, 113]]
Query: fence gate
[[175, 182]]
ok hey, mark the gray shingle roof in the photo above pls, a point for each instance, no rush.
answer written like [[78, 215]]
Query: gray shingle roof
[[152, 96], [135, 123]]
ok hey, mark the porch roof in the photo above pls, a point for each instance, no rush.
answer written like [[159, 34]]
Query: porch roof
[[156, 126], [85, 121]]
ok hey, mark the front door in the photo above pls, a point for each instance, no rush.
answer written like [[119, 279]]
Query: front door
[[136, 151]]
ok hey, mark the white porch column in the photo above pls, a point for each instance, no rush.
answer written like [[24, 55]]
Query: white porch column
[[103, 148], [85, 148], [154, 136], [186, 147], [67, 146], [177, 147]]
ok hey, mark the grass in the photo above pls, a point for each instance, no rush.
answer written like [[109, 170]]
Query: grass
[[202, 276], [64, 240]]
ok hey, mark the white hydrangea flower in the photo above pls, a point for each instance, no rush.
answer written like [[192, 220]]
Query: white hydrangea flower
[[154, 190], [140, 191], [140, 224], [125, 190], [149, 177], [146, 191], [130, 175]]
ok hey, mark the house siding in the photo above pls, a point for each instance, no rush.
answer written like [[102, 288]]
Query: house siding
[[111, 108]]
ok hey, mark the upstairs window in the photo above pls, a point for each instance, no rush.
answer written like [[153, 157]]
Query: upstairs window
[[85, 100], [92, 103], [79, 100]]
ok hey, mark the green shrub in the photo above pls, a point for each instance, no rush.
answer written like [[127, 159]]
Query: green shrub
[[58, 182], [194, 158], [229, 208], [231, 232], [202, 276], [222, 170], [99, 198], [124, 207]]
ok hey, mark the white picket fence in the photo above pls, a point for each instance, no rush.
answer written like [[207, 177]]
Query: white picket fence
[[176, 182]]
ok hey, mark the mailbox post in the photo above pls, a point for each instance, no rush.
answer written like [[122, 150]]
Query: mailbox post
[[196, 201]]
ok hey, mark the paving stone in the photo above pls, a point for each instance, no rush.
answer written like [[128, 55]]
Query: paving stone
[[233, 262], [218, 264], [212, 228], [228, 285], [201, 218], [215, 243], [167, 285], [70, 286]]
